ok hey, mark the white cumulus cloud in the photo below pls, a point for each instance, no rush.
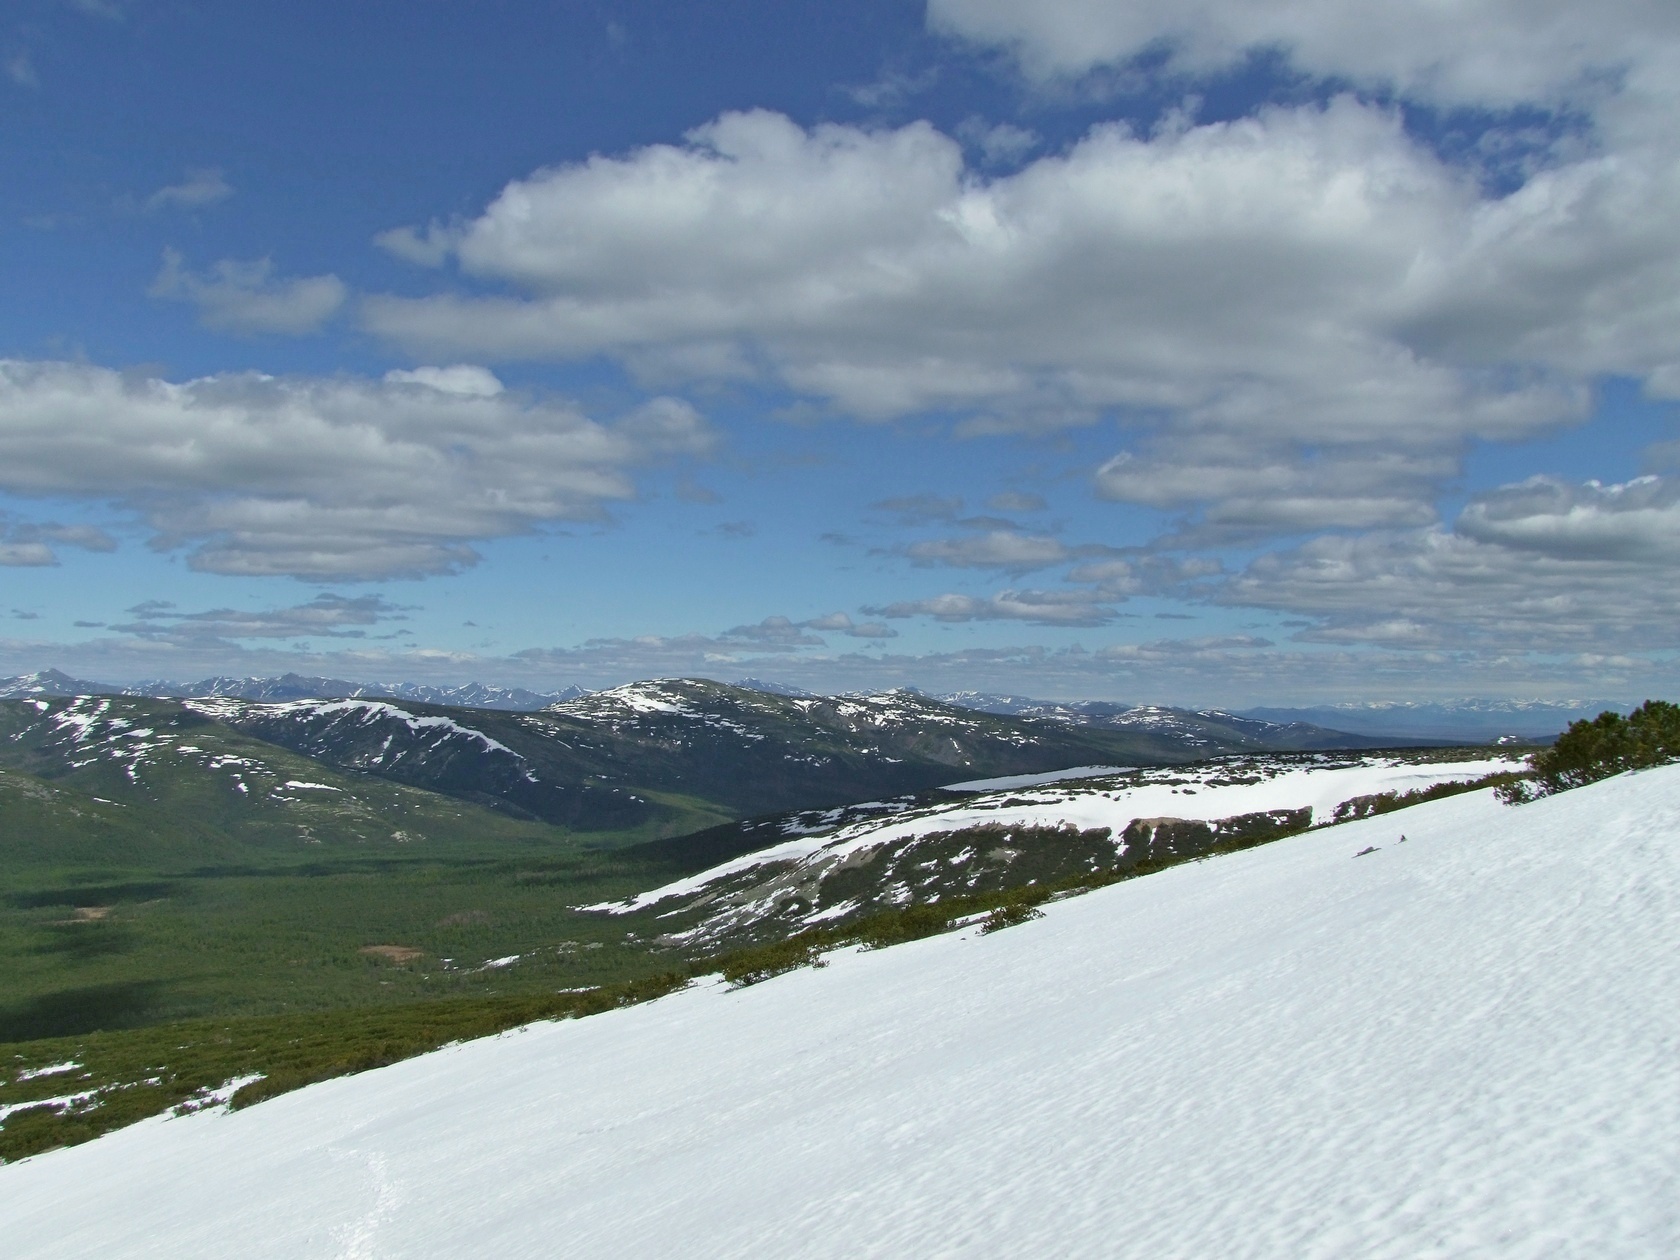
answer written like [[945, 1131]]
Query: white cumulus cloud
[[1542, 566], [1309, 292], [324, 478], [1637, 521], [1496, 52], [1306, 316]]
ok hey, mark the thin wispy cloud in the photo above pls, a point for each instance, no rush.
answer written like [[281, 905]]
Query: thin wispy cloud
[[111, 10], [33, 544], [247, 297], [1043, 607], [327, 616], [997, 549], [200, 188], [20, 69]]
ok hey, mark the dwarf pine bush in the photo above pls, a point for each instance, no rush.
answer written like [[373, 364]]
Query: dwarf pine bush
[[1607, 744]]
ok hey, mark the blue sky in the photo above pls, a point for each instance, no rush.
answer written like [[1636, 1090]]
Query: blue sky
[[1199, 352]]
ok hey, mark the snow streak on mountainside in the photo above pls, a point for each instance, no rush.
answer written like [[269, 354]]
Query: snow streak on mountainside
[[149, 744], [106, 782], [1336, 1045], [824, 866], [295, 687], [167, 746], [445, 750], [705, 701]]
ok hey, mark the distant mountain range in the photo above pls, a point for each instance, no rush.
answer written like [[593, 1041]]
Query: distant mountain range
[[1452, 721], [1320, 727], [290, 687], [1469, 720], [1210, 728]]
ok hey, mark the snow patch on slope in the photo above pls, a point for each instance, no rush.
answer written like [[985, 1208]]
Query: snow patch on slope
[[368, 711], [365, 712], [1204, 793]]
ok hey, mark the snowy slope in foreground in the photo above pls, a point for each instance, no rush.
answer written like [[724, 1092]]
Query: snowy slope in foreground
[[1460, 1045]]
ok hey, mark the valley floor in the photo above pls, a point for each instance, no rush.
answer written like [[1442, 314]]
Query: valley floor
[[1339, 1044]]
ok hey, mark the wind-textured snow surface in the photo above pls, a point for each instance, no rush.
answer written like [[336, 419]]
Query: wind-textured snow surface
[[1466, 1044]]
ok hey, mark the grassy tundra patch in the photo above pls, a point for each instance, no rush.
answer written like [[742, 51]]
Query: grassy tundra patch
[[162, 906]]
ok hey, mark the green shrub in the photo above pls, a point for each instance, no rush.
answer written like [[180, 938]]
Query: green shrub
[[1009, 915], [1607, 744], [760, 962], [1503, 783]]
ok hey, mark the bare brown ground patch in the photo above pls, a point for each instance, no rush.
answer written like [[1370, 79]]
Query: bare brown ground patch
[[466, 918], [391, 953], [87, 914]]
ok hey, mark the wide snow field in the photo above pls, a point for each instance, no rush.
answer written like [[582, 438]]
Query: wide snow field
[[1464, 1045]]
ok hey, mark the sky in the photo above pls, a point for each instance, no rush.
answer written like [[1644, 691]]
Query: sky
[[1205, 352]]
